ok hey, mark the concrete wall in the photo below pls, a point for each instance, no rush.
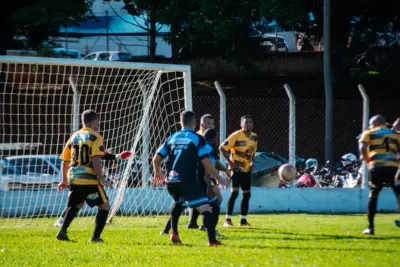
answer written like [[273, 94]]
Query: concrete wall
[[145, 200]]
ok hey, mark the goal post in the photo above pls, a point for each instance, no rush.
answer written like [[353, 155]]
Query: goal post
[[41, 102]]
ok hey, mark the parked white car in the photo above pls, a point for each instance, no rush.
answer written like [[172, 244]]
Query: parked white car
[[109, 56], [37, 171]]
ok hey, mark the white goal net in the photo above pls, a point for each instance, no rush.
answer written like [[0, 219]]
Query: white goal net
[[41, 103]]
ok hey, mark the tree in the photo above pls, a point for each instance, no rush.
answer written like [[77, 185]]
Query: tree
[[37, 19], [150, 12]]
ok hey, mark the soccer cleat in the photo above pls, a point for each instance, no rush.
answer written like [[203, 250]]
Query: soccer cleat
[[244, 223], [59, 222], [368, 231], [192, 226], [214, 244], [96, 240], [202, 228], [228, 223], [175, 239], [163, 233], [62, 235], [397, 223]]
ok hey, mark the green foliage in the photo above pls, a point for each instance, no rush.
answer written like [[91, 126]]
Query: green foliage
[[272, 240]]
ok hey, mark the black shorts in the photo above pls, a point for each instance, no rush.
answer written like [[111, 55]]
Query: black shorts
[[188, 196], [383, 176], [94, 195], [242, 180]]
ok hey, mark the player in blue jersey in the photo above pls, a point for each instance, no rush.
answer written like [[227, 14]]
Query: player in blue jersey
[[183, 151], [208, 182]]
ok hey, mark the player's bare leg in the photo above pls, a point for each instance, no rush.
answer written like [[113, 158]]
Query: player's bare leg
[[209, 221], [231, 205], [101, 218], [69, 217]]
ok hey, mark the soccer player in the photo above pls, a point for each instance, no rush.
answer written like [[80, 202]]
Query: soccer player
[[82, 166], [379, 147], [206, 122], [209, 183], [106, 157], [184, 149], [242, 146]]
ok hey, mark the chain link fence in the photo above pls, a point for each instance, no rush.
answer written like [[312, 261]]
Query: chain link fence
[[271, 123]]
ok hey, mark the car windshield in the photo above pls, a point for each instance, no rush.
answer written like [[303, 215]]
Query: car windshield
[[9, 169], [56, 161], [37, 166]]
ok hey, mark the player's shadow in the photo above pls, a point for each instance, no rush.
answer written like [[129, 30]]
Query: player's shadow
[[315, 248], [317, 236]]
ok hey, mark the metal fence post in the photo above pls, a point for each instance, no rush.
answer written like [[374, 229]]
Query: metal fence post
[[292, 125], [144, 159], [75, 105], [364, 127], [222, 117]]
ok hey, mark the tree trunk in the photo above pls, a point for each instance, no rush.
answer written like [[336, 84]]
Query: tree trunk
[[174, 42], [153, 35]]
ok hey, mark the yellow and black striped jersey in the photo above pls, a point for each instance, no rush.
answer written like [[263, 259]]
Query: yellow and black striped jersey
[[242, 149], [79, 151], [201, 132], [383, 146]]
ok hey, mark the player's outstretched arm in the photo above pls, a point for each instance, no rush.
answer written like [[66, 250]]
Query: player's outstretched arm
[[109, 156], [210, 168]]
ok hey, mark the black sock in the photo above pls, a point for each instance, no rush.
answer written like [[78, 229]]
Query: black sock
[[209, 222], [244, 208], [69, 216], [101, 219], [194, 215], [372, 204], [231, 202], [167, 225], [175, 214], [216, 210], [64, 212]]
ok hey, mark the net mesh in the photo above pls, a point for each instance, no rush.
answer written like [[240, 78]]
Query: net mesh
[[40, 108]]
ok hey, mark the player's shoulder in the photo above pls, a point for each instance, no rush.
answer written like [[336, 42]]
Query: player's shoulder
[[236, 133], [200, 138], [253, 136]]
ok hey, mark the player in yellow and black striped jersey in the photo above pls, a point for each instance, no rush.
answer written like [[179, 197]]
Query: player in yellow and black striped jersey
[[380, 147], [82, 171], [242, 146]]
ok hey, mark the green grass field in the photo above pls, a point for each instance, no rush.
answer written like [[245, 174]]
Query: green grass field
[[275, 240]]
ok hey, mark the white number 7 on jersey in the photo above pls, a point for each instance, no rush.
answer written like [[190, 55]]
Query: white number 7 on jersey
[[177, 153]]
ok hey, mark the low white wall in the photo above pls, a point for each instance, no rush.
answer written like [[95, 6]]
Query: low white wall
[[145, 200]]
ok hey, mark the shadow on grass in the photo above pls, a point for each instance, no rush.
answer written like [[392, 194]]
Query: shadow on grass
[[318, 248], [319, 236]]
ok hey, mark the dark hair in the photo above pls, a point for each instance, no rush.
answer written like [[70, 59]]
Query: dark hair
[[210, 134], [206, 117], [188, 117], [245, 117], [89, 116]]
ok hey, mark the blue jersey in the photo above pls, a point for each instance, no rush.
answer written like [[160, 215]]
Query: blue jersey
[[184, 150], [213, 156]]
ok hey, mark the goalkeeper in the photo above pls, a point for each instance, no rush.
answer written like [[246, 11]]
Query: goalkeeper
[[107, 157]]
